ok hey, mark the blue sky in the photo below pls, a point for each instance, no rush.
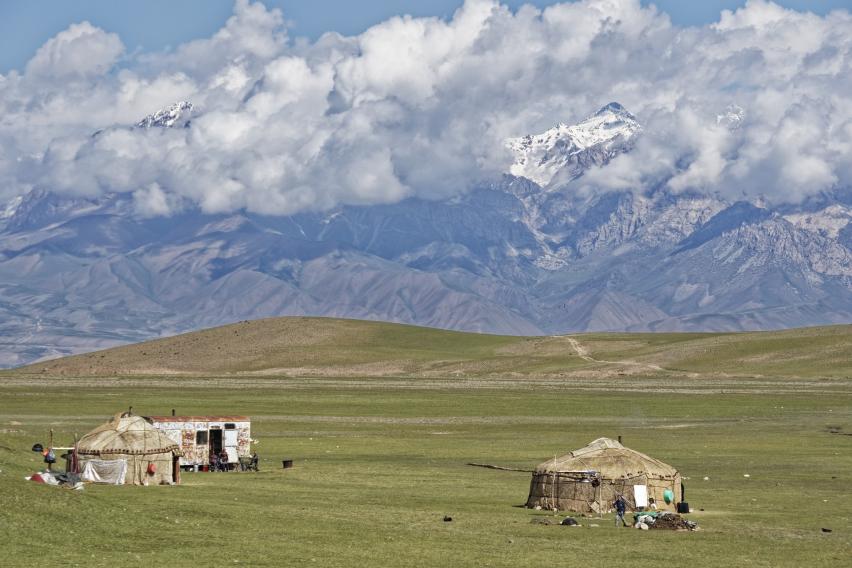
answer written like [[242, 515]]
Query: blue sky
[[157, 24]]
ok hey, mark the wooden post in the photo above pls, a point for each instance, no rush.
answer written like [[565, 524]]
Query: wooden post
[[50, 449], [600, 500]]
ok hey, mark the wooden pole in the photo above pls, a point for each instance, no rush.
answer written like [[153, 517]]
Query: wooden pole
[[501, 468], [600, 500], [50, 449]]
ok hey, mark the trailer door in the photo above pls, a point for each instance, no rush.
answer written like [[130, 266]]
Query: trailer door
[[231, 445]]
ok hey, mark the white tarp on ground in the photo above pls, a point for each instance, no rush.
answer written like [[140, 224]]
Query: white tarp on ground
[[104, 471]]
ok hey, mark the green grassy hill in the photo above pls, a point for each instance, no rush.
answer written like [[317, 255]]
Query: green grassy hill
[[302, 346]]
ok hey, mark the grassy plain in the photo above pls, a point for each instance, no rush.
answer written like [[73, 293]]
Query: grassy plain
[[381, 459]]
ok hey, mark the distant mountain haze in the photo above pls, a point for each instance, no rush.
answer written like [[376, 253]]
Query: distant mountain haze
[[529, 254]]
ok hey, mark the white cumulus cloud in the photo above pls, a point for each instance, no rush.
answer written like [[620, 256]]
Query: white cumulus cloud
[[81, 50], [421, 106]]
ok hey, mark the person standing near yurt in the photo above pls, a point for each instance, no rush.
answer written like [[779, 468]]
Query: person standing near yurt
[[620, 508]]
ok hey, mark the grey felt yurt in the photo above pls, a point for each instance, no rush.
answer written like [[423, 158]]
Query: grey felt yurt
[[128, 449], [590, 478]]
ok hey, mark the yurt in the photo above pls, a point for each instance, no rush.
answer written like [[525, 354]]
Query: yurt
[[128, 449], [590, 479]]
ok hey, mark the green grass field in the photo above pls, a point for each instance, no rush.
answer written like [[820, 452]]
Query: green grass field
[[381, 459]]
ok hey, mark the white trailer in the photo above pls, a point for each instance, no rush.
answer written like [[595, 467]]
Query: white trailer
[[200, 436]]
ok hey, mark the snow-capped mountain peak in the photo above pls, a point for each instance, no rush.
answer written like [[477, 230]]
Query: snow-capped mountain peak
[[178, 113], [594, 141], [732, 118], [828, 222], [8, 210]]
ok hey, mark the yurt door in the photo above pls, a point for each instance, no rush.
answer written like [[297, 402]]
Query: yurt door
[[231, 445]]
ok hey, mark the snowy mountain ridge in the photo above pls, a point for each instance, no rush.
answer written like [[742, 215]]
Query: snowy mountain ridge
[[11, 207], [829, 221], [594, 141], [178, 113]]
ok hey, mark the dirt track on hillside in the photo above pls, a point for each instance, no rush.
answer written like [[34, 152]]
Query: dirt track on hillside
[[584, 354]]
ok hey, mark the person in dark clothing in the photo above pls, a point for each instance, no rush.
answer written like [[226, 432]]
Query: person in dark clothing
[[620, 508]]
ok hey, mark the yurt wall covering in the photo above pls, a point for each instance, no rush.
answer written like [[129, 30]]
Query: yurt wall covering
[[133, 439], [593, 476]]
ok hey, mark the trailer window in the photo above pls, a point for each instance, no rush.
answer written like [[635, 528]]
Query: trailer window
[[201, 437], [230, 426]]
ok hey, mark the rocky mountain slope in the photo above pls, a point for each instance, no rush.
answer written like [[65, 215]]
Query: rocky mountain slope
[[509, 257]]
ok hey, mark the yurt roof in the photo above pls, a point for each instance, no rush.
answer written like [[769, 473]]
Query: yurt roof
[[126, 434], [608, 458]]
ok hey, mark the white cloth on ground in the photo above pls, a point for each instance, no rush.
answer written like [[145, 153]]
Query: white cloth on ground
[[49, 478]]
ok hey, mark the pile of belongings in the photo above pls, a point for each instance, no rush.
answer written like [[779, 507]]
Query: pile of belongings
[[669, 521], [70, 480]]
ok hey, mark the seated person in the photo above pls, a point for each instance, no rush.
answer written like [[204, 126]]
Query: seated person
[[223, 460], [214, 461]]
